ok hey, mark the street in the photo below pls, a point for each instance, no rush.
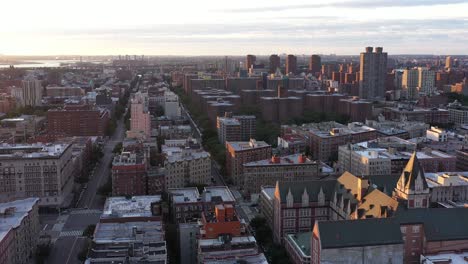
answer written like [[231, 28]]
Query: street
[[90, 198], [66, 228]]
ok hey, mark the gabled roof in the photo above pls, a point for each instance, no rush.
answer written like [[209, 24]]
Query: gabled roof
[[312, 188], [357, 233], [352, 183], [377, 204], [440, 224], [411, 172], [384, 183]]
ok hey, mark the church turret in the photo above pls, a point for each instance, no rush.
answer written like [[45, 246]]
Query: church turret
[[412, 185]]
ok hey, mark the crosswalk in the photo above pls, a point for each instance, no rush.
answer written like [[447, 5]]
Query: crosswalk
[[73, 233], [86, 211]]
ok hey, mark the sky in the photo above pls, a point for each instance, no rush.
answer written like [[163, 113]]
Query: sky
[[220, 27]]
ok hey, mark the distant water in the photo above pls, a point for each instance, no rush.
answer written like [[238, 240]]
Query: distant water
[[37, 63]]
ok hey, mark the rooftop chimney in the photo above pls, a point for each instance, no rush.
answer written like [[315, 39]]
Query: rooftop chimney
[[369, 49]]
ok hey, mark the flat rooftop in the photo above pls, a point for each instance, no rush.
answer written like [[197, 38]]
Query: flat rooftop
[[332, 129], [129, 232], [245, 145], [282, 161], [269, 191], [301, 242], [219, 242], [222, 192], [136, 206], [12, 213], [185, 195], [452, 258], [176, 154], [36, 150], [438, 179]]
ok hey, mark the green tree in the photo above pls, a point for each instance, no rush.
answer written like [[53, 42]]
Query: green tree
[[89, 231]]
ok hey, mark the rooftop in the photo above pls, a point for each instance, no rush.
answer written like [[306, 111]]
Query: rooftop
[[269, 192], [36, 150], [332, 129], [447, 179], [127, 158], [178, 154], [301, 241], [12, 213], [294, 159], [452, 258], [129, 232], [245, 145], [136, 206], [185, 195], [212, 193]]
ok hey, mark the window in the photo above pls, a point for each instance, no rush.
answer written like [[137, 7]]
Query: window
[[415, 229]]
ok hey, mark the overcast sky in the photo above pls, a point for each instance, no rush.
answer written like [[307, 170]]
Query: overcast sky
[[218, 27]]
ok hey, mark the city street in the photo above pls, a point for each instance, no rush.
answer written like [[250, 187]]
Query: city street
[[90, 198], [66, 228]]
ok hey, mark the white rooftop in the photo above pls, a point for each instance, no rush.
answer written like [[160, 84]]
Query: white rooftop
[[220, 191], [447, 179], [136, 206], [12, 219], [184, 195]]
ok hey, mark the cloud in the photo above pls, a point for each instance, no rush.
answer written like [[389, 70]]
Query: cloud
[[365, 4]]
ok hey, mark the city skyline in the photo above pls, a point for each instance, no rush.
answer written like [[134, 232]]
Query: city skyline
[[212, 28]]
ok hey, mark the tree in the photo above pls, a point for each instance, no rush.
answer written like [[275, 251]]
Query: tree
[[118, 148], [89, 231], [84, 251]]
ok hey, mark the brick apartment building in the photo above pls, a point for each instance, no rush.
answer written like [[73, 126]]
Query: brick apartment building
[[78, 120], [129, 171], [240, 152], [325, 138]]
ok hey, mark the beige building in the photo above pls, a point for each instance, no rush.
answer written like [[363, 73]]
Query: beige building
[[410, 83], [19, 230], [186, 166], [37, 170]]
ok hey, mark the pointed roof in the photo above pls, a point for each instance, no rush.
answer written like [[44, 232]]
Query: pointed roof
[[411, 172]]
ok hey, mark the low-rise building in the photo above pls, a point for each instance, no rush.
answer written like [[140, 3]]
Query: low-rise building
[[437, 134], [132, 209], [448, 187], [458, 114], [426, 115], [403, 128], [131, 242], [19, 230], [223, 239]]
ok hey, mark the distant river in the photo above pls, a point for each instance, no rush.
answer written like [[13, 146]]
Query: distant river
[[36, 63]]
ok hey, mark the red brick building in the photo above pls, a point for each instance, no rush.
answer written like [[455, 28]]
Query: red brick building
[[128, 175], [238, 153], [78, 120]]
